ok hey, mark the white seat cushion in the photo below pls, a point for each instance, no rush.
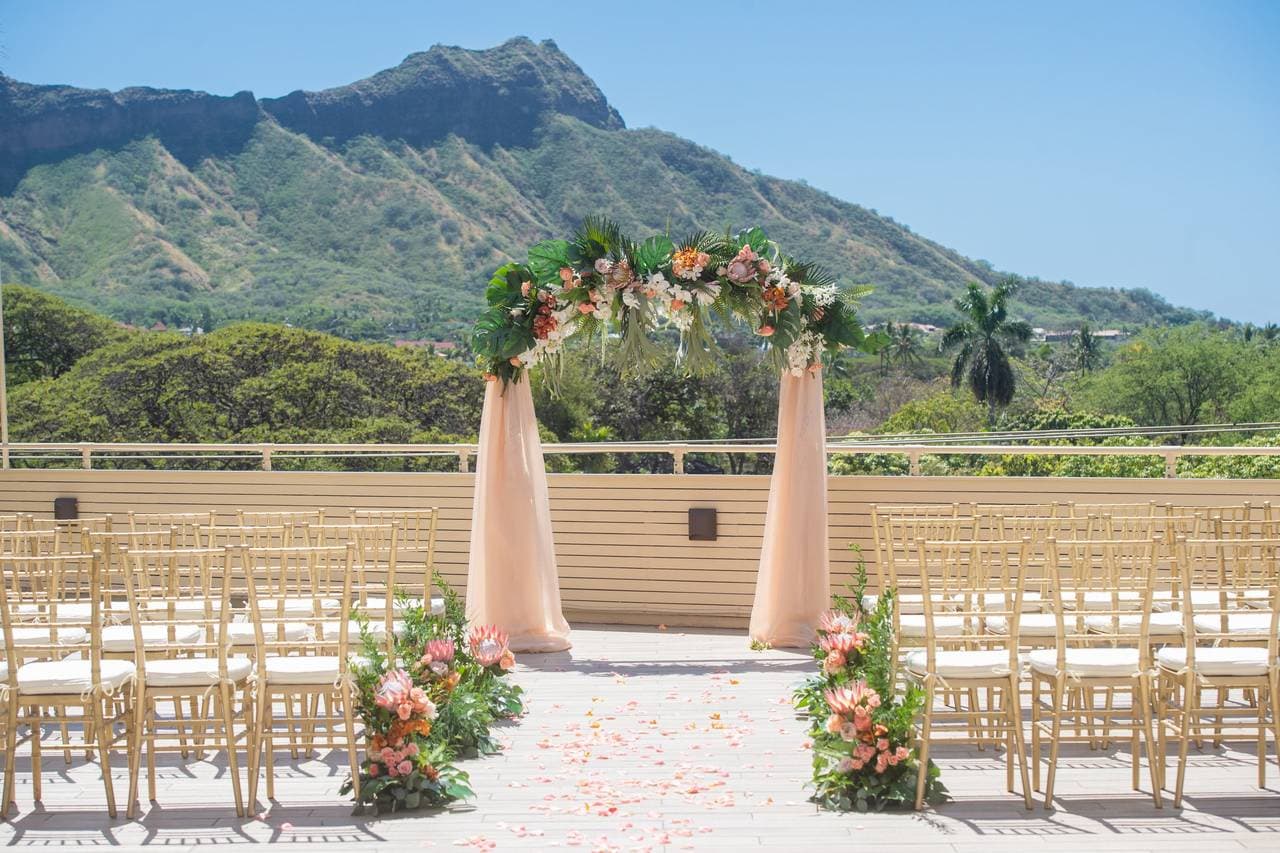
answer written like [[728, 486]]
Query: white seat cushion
[[378, 604], [76, 611], [943, 626], [242, 633], [1087, 663], [1127, 599], [910, 602], [1029, 625], [1163, 599], [185, 607], [1163, 623], [1259, 598], [377, 628], [302, 669], [194, 672], [300, 605], [1031, 601], [1223, 660], [961, 664], [40, 635], [119, 638], [1237, 623], [70, 677]]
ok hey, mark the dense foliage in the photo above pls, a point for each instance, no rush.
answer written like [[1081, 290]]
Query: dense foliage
[[426, 701], [603, 283], [861, 723]]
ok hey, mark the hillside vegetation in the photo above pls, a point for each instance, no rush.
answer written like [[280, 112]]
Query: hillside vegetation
[[380, 209]]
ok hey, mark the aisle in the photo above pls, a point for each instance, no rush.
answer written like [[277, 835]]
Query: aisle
[[646, 739]]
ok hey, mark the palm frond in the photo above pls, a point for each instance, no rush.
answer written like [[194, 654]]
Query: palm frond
[[597, 237]]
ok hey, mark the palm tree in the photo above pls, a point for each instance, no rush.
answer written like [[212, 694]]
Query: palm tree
[[904, 345], [1086, 349], [980, 341]]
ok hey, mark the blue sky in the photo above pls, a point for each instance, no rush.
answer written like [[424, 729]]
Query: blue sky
[[1123, 143]]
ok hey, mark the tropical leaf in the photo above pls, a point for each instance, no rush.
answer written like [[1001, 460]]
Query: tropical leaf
[[546, 260], [652, 254]]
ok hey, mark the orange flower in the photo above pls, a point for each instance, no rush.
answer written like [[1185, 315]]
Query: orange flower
[[775, 297]]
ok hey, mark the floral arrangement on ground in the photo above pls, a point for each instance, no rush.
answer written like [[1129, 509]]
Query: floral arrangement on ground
[[601, 282], [428, 700], [862, 727]]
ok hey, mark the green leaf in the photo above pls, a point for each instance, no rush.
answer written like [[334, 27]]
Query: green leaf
[[546, 259], [653, 254]]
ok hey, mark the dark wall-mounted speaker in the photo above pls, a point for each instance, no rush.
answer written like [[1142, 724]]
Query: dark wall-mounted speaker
[[702, 524], [66, 508]]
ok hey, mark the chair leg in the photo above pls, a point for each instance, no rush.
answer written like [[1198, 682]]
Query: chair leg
[[1013, 703], [233, 766], [151, 751], [10, 755], [353, 750], [1143, 706], [140, 700], [104, 753], [1190, 703], [1035, 732], [922, 772], [1055, 736], [37, 733]]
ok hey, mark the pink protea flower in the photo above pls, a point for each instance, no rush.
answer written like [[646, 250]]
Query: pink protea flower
[[835, 622], [846, 700], [441, 650], [488, 644], [603, 266], [833, 663], [742, 268], [393, 689], [844, 644]]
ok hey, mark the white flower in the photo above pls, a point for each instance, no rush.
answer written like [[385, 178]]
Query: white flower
[[517, 312], [630, 299], [825, 295], [707, 294]]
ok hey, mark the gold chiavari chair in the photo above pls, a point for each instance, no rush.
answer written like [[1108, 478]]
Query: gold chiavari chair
[[965, 575], [319, 672], [54, 662], [1226, 650], [1137, 508], [375, 575], [882, 539], [415, 552], [278, 519], [283, 535], [1066, 680], [185, 528], [181, 652]]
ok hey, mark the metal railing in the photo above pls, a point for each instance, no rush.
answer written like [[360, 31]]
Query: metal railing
[[262, 455]]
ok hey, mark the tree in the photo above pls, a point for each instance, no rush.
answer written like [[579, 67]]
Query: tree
[[1172, 376], [980, 342], [1086, 349], [44, 336], [903, 348]]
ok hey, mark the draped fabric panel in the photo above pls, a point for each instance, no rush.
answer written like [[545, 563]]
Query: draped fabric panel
[[512, 581], [793, 584]]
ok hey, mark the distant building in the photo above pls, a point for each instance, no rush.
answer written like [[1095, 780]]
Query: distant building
[[437, 346], [158, 326]]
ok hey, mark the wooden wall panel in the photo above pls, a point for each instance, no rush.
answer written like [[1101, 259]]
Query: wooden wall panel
[[621, 539]]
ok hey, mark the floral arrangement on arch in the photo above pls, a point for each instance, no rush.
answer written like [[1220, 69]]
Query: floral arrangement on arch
[[426, 702], [862, 726], [601, 282]]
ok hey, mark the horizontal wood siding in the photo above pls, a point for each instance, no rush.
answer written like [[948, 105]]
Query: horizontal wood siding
[[621, 539]]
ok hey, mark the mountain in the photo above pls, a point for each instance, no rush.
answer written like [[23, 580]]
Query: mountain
[[380, 208]]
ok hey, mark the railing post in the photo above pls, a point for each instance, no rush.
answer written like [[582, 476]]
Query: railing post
[[462, 461], [913, 463], [266, 457], [4, 456], [1170, 464], [86, 458], [677, 461]]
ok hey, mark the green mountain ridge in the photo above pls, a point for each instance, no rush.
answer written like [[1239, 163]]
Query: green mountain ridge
[[380, 209]]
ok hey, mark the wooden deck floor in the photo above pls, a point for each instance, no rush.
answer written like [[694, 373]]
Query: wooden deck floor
[[664, 740]]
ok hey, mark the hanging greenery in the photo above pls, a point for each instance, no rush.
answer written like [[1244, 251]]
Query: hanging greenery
[[602, 283]]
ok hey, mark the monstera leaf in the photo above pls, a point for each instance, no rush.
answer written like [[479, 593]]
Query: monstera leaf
[[546, 259], [653, 253], [504, 287]]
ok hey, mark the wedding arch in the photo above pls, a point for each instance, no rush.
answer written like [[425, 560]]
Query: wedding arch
[[602, 284]]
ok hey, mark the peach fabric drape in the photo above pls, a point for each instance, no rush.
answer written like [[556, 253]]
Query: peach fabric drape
[[512, 580], [793, 584]]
